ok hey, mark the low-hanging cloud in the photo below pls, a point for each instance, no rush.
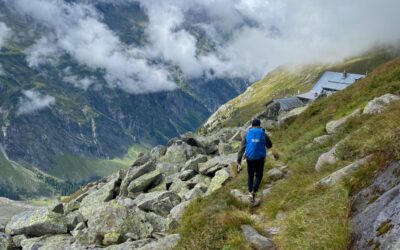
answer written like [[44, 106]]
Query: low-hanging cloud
[[248, 37], [5, 34], [33, 101]]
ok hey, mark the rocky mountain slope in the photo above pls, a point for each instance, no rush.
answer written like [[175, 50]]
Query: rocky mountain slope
[[83, 122], [331, 183]]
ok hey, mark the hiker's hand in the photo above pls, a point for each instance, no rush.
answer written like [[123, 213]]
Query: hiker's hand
[[239, 167]]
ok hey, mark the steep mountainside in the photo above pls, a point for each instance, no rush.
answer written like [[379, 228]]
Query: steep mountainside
[[87, 121]]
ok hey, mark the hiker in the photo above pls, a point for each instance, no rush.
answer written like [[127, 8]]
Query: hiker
[[254, 144]]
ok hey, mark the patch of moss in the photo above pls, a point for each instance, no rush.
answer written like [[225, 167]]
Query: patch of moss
[[384, 228]]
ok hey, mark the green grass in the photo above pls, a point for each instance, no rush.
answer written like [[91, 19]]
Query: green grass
[[314, 217]]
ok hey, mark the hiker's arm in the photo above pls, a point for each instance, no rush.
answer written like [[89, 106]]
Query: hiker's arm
[[268, 142], [242, 150]]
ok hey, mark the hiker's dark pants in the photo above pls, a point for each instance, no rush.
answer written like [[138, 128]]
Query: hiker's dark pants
[[255, 167]]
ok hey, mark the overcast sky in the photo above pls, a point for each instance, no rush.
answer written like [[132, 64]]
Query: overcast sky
[[251, 37]]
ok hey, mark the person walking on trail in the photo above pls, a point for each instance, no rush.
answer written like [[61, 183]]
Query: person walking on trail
[[254, 144]]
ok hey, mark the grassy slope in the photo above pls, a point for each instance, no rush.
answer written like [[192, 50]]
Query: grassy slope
[[315, 218], [288, 81]]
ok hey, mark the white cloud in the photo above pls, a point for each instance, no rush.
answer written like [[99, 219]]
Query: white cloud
[[2, 72], [250, 37], [5, 33], [33, 101]]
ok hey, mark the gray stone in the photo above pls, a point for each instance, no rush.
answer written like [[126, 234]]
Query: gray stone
[[256, 240], [130, 245], [104, 194], [194, 193], [198, 179], [378, 104], [236, 137], [6, 242], [177, 212], [141, 160], [329, 157], [216, 163], [218, 181], [159, 223], [168, 168], [37, 223], [17, 240], [244, 198], [145, 181], [340, 174], [193, 163], [178, 186], [179, 152], [158, 202], [166, 243], [72, 219], [225, 148], [333, 126], [186, 174], [275, 174], [291, 115], [157, 152], [49, 242], [134, 173]]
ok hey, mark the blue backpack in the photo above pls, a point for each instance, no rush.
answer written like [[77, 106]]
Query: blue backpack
[[255, 144]]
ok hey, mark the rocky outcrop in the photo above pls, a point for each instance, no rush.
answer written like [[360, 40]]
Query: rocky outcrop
[[329, 157], [275, 174], [218, 180], [376, 214], [378, 104]]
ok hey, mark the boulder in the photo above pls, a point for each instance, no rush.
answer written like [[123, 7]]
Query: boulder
[[194, 193], [244, 198], [178, 186], [291, 115], [168, 168], [141, 160], [333, 126], [157, 152], [103, 194], [6, 242], [221, 176], [159, 223], [134, 173], [144, 182], [73, 219], [193, 162], [177, 212], [57, 208], [129, 245], [256, 240], [49, 242], [378, 104], [275, 174], [198, 179], [340, 174], [17, 240], [225, 148], [329, 157], [158, 202], [216, 163], [167, 243], [186, 174], [237, 137], [111, 221], [179, 152], [269, 124], [37, 223]]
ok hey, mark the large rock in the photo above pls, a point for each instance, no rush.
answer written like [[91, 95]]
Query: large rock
[[6, 242], [329, 157], [218, 181], [168, 168], [157, 152], [134, 173], [111, 221], [166, 243], [216, 163], [158, 202], [194, 193], [178, 186], [129, 245], [256, 240], [225, 148], [105, 193], [37, 223], [186, 174], [179, 152], [291, 115], [144, 182], [340, 174], [141, 160], [376, 212], [198, 179], [177, 212], [193, 163], [49, 242], [323, 139], [377, 105], [333, 126]]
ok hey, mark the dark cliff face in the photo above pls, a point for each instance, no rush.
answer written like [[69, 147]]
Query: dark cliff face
[[100, 122]]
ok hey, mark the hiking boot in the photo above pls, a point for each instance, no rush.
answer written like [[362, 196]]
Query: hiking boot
[[253, 196], [250, 197]]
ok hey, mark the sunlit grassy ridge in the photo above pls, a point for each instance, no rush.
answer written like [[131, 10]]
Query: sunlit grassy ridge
[[313, 217]]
